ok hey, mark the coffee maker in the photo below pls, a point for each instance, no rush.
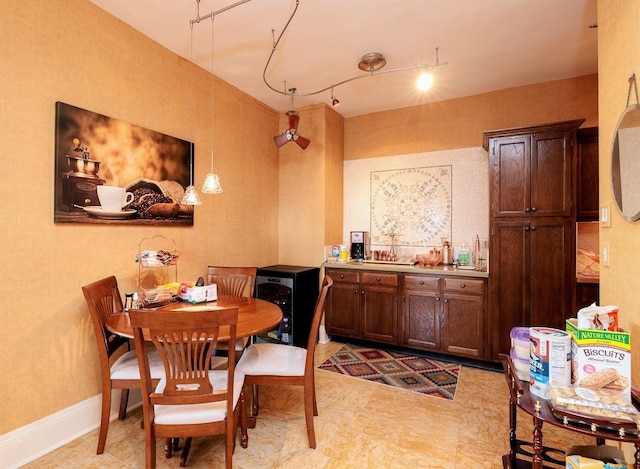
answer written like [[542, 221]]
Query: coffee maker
[[359, 244]]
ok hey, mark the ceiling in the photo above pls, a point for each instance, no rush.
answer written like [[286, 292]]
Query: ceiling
[[482, 45]]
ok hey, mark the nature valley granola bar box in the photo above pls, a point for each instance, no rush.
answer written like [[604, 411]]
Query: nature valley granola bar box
[[600, 359]]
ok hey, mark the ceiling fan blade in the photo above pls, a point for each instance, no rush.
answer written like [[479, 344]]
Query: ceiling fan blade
[[280, 139], [302, 141], [294, 119]]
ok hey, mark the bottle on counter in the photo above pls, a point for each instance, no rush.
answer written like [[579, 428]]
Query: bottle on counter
[[476, 252], [463, 255], [447, 252], [344, 254]]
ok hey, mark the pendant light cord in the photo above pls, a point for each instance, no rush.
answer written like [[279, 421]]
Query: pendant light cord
[[192, 144], [212, 88]]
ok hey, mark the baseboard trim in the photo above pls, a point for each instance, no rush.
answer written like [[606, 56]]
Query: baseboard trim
[[28, 443]]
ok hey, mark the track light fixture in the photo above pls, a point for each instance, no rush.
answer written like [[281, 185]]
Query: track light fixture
[[334, 101]]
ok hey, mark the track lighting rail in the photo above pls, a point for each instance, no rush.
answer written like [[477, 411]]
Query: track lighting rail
[[199, 18], [372, 70], [368, 59]]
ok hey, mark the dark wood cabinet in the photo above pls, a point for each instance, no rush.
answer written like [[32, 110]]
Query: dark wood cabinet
[[531, 170], [463, 321], [423, 314], [431, 312], [363, 305], [532, 228], [444, 314], [342, 312], [588, 176]]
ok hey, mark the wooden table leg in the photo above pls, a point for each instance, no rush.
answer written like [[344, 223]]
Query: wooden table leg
[[537, 443], [513, 446], [637, 456]]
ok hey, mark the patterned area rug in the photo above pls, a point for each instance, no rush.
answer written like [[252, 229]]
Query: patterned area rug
[[411, 372]]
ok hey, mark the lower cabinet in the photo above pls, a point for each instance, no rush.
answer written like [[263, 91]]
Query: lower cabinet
[[464, 325], [429, 312], [444, 314], [363, 305]]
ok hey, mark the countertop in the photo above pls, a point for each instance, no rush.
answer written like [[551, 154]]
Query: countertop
[[411, 269]]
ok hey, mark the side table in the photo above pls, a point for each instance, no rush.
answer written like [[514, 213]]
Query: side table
[[540, 456]]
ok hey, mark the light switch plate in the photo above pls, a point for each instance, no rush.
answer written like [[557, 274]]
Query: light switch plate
[[606, 254], [605, 215]]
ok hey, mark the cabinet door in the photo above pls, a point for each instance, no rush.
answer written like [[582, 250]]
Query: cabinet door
[[508, 281], [510, 166], [551, 170], [552, 275], [379, 313], [342, 310], [463, 324], [422, 313]]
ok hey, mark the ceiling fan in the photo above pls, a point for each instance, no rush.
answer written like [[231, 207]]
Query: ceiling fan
[[291, 134]]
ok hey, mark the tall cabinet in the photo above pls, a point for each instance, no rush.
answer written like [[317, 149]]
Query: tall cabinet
[[532, 227]]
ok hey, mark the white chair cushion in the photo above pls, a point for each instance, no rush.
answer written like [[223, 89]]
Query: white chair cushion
[[199, 413], [126, 366], [272, 359]]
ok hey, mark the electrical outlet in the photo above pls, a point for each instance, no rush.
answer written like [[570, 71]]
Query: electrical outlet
[[606, 253]]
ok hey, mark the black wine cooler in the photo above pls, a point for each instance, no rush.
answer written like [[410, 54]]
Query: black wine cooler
[[295, 290]]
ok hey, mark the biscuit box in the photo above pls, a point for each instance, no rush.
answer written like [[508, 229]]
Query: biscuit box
[[595, 457], [600, 358]]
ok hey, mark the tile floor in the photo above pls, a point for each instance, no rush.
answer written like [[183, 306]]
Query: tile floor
[[360, 425]]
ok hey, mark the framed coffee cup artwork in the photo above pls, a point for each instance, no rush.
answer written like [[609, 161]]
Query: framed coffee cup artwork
[[108, 171]]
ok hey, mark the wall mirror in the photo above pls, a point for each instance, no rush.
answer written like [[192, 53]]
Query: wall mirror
[[625, 164]]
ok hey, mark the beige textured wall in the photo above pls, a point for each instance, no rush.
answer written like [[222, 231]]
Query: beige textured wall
[[308, 187], [619, 56], [71, 51], [459, 123]]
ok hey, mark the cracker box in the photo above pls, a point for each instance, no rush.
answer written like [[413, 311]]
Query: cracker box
[[200, 294], [595, 457], [600, 358]]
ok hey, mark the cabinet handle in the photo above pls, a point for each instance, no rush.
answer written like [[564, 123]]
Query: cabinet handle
[[356, 291], [527, 209], [526, 228], [378, 279], [462, 285], [341, 275], [362, 292], [446, 301], [533, 228], [533, 209], [421, 282], [437, 298]]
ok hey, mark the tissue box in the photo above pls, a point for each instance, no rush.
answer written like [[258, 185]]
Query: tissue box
[[595, 457], [600, 358], [200, 294]]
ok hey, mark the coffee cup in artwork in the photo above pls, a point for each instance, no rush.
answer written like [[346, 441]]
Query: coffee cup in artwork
[[113, 198]]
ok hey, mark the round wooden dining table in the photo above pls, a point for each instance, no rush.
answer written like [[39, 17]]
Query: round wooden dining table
[[254, 316]]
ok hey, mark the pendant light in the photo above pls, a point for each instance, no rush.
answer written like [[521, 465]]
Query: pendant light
[[191, 196], [211, 183]]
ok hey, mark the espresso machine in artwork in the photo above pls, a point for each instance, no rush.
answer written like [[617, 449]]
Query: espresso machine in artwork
[[150, 169]]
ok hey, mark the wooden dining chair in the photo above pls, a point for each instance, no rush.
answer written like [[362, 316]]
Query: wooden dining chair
[[279, 364], [118, 363], [232, 281], [191, 400]]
